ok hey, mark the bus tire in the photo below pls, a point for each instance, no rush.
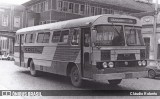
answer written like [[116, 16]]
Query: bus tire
[[115, 82], [33, 71], [151, 74], [75, 76]]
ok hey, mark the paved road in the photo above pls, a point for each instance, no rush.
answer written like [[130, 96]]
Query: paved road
[[16, 78]]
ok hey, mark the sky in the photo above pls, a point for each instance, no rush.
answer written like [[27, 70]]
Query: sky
[[18, 2]]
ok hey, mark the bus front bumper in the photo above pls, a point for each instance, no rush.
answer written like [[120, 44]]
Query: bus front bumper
[[126, 75]]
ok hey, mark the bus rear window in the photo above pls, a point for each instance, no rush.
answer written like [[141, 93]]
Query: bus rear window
[[43, 37]]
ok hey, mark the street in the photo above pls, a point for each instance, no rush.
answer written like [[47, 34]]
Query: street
[[15, 78]]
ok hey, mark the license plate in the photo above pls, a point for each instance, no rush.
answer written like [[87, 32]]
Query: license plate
[[128, 75]]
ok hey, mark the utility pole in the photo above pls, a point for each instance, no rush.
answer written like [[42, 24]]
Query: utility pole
[[155, 30]]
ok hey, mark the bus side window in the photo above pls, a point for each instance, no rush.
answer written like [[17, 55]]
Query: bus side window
[[18, 39], [64, 36], [56, 36], [46, 37], [43, 37], [75, 37], [30, 38], [40, 37], [22, 37]]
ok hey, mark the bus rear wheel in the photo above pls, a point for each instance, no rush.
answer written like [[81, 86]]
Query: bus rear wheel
[[33, 71], [115, 82], [75, 76]]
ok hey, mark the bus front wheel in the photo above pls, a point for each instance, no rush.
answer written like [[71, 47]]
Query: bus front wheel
[[115, 82], [33, 71], [151, 74], [75, 76]]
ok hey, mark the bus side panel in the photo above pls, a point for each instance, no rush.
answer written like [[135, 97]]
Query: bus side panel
[[63, 55]]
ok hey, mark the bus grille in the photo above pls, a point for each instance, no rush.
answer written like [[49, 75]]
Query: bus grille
[[126, 64], [105, 55]]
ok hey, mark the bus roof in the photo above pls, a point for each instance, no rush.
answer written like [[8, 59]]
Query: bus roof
[[72, 23]]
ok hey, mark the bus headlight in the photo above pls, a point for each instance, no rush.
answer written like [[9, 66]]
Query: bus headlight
[[104, 64], [139, 63], [111, 64], [144, 63]]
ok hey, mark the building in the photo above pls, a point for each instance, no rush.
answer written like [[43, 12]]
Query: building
[[10, 21], [147, 30], [49, 11]]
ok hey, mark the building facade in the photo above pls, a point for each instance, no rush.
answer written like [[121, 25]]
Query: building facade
[[153, 43], [10, 21], [49, 11]]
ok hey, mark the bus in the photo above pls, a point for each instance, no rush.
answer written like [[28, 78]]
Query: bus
[[102, 48]]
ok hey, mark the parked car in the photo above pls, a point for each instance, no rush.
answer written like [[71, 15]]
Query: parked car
[[5, 57], [11, 57], [153, 69]]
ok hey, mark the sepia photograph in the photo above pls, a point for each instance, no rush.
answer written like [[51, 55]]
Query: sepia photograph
[[79, 49]]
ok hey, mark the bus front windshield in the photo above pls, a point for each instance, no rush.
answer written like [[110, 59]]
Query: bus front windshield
[[133, 36], [109, 36]]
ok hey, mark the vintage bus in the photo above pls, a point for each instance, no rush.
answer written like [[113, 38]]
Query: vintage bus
[[104, 48]]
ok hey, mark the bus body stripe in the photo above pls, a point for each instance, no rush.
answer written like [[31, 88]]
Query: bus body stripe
[[30, 49], [66, 53]]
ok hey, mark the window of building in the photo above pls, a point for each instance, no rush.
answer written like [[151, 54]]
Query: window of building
[[111, 11], [71, 5], [76, 8], [92, 10], [5, 20], [30, 38], [65, 6], [46, 5], [105, 11], [87, 11], [56, 36], [31, 8], [39, 7], [43, 37], [60, 5], [34, 8], [42, 7], [82, 9], [64, 36], [75, 37], [98, 11]]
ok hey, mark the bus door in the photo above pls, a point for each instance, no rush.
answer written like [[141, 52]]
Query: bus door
[[85, 52], [21, 55]]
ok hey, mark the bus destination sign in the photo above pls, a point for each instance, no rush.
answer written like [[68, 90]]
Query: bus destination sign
[[122, 20]]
